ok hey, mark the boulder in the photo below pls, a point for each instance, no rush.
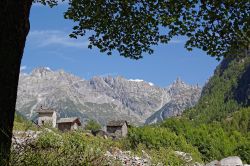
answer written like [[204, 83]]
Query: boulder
[[231, 161]]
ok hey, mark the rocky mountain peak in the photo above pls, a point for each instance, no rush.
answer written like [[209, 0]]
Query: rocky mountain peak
[[179, 86], [182, 96], [41, 71], [100, 98], [178, 83]]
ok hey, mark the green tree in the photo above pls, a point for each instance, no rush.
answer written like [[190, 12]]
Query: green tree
[[132, 26], [129, 26], [93, 125]]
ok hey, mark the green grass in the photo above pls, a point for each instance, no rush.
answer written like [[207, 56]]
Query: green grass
[[23, 124]]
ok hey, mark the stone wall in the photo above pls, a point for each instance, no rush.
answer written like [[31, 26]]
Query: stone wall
[[124, 130], [64, 126]]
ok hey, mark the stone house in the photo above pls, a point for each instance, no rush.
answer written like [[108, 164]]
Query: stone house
[[67, 124], [117, 128], [46, 116]]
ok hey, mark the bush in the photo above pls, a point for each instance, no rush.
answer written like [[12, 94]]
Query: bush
[[71, 148], [155, 138], [93, 126], [213, 140]]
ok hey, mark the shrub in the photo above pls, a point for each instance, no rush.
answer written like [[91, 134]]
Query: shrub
[[72, 148], [93, 126]]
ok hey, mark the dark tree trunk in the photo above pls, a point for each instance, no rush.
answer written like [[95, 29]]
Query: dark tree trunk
[[14, 27]]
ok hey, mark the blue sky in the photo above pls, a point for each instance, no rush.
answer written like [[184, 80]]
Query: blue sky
[[48, 45]]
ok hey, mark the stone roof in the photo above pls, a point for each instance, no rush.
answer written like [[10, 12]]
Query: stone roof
[[69, 120], [116, 123], [45, 110]]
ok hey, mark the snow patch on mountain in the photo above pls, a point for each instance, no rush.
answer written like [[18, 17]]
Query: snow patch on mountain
[[151, 84], [136, 80], [139, 80]]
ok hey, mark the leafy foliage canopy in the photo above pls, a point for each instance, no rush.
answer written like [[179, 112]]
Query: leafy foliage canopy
[[132, 27]]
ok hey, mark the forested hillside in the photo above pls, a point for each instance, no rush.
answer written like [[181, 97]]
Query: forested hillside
[[218, 126], [226, 92]]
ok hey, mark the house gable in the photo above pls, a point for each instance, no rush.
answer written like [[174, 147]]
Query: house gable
[[65, 124], [46, 116], [117, 128]]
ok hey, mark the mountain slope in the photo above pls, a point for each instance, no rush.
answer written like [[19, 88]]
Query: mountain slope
[[183, 96], [101, 98], [226, 92], [219, 125]]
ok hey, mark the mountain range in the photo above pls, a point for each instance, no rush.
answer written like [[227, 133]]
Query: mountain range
[[102, 98]]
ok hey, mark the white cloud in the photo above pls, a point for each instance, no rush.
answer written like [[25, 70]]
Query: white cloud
[[23, 68], [45, 38]]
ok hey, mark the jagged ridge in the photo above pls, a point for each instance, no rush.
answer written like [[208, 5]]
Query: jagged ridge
[[101, 98], [182, 96]]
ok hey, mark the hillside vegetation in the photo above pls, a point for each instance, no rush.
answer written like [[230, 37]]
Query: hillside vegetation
[[218, 126], [225, 93], [21, 123]]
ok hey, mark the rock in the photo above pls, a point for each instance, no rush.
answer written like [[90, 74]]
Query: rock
[[108, 154], [137, 158], [88, 134], [127, 153], [22, 138], [145, 155], [231, 161], [185, 156], [126, 158]]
